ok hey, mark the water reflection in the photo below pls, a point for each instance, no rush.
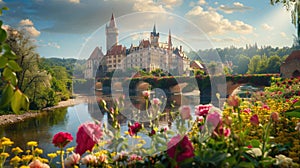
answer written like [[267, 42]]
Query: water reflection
[[43, 127]]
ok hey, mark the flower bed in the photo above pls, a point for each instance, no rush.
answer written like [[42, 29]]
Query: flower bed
[[262, 132]]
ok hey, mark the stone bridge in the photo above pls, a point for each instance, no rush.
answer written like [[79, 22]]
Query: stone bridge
[[207, 86]]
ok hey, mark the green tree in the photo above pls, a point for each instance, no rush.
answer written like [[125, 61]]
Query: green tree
[[254, 65], [11, 96], [242, 64], [274, 63], [294, 7]]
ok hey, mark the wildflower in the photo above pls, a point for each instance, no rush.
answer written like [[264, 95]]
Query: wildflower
[[156, 101], [254, 120], [38, 151], [51, 155], [102, 158], [26, 158], [7, 142], [23, 166], [233, 101], [153, 132], [87, 136], [88, 159], [38, 164], [146, 94], [180, 148], [120, 156], [275, 116], [61, 139], [227, 132], [228, 120], [266, 107], [17, 150], [134, 129], [72, 160], [247, 110], [15, 160], [202, 110], [70, 149], [185, 112], [4, 155], [32, 143]]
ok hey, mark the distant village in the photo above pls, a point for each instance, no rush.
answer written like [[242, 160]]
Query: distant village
[[148, 55]]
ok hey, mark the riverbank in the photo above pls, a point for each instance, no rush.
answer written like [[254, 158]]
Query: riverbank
[[13, 118]]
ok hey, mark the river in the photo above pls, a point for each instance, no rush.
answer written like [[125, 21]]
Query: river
[[44, 127]]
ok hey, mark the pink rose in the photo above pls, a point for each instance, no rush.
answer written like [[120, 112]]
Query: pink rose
[[146, 94], [38, 164], [156, 101], [87, 136], [185, 112], [180, 148], [266, 107], [72, 160], [254, 120], [202, 110], [275, 116], [61, 139], [227, 132], [89, 159], [247, 110], [213, 119], [233, 101]]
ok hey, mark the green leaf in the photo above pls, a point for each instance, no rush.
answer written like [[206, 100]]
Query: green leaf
[[25, 102], [7, 95], [5, 8], [246, 165], [3, 35], [297, 104], [3, 61], [14, 66], [295, 113], [16, 101], [10, 55], [255, 143], [7, 73]]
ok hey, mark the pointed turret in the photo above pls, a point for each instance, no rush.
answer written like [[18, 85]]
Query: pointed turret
[[169, 41], [154, 37], [111, 33], [154, 29], [112, 22]]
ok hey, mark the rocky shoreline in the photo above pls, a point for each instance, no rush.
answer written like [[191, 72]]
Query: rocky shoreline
[[13, 118]]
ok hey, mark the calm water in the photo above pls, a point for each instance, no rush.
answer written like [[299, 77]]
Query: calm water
[[42, 128]]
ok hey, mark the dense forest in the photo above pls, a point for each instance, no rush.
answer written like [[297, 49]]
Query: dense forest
[[249, 59]]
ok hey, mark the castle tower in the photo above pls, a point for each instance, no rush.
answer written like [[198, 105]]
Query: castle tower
[[111, 33], [169, 41], [154, 37]]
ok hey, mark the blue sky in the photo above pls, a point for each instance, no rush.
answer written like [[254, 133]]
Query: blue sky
[[73, 28]]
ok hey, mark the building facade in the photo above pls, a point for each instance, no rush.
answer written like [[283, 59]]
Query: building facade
[[148, 55]]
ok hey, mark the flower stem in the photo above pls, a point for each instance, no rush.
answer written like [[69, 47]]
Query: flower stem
[[62, 158]]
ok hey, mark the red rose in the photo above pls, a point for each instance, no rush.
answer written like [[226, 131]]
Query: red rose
[[61, 139], [134, 129], [87, 136], [180, 148]]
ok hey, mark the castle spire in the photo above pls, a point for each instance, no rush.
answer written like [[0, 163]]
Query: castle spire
[[154, 28], [170, 40], [112, 22]]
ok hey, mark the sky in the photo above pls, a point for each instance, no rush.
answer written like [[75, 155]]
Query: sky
[[73, 28]]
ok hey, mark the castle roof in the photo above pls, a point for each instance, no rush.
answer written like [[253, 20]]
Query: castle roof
[[116, 49], [145, 43], [112, 22], [96, 54]]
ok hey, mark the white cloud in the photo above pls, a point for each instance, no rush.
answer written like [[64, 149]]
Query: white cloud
[[28, 26], [201, 2], [267, 27], [171, 3], [32, 31], [283, 34], [143, 6], [26, 22], [236, 7], [211, 22], [74, 1]]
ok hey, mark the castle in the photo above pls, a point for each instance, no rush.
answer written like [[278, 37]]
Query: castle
[[149, 55]]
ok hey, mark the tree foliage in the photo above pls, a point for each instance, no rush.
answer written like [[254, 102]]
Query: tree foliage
[[11, 96]]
